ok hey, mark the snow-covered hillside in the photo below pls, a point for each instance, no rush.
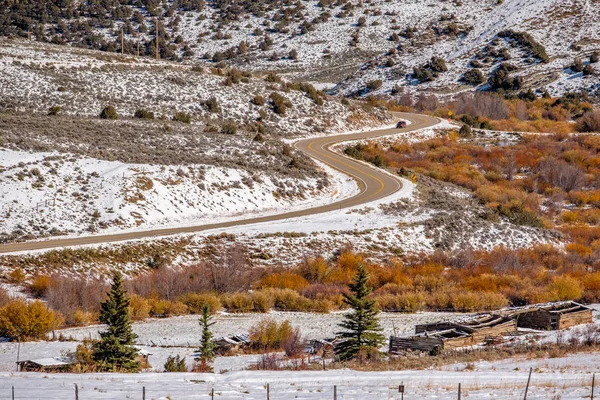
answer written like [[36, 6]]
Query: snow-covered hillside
[[54, 193], [80, 82], [466, 37], [353, 43]]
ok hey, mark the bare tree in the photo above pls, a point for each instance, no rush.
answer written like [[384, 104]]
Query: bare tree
[[480, 105], [509, 166], [426, 102], [521, 110], [559, 173], [590, 122]]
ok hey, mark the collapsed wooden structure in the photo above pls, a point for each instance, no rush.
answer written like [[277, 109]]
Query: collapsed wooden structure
[[552, 316], [231, 343], [52, 364], [482, 328], [479, 327], [436, 341], [454, 334]]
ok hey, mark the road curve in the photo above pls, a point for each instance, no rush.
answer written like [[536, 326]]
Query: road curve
[[373, 183]]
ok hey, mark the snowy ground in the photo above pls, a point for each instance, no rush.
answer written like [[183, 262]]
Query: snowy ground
[[80, 195], [560, 378], [181, 335]]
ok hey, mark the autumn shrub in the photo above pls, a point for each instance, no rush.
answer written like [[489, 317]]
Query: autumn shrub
[[28, 321], [139, 308], [195, 302], [405, 302], [283, 280], [84, 318], [464, 301], [331, 294], [565, 288], [17, 275], [247, 302], [39, 286], [268, 334], [314, 269], [166, 308], [288, 300]]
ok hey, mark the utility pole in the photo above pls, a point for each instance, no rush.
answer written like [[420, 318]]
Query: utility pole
[[157, 48]]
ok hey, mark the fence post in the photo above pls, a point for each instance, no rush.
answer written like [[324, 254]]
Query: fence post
[[527, 387], [593, 384], [13, 393], [76, 392], [143, 392], [268, 392], [459, 391], [334, 392]]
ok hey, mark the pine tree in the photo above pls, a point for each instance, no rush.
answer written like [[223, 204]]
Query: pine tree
[[114, 350], [207, 347], [361, 325]]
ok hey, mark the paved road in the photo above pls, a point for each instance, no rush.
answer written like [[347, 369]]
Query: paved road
[[373, 184]]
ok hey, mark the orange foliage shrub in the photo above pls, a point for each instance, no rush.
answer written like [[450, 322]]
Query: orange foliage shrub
[[283, 280]]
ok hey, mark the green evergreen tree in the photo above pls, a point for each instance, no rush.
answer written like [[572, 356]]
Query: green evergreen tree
[[114, 350], [362, 329], [207, 346]]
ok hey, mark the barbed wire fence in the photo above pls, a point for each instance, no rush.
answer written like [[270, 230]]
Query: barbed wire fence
[[199, 389]]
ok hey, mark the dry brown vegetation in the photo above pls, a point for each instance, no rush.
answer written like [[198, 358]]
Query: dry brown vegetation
[[464, 281], [151, 142], [541, 181]]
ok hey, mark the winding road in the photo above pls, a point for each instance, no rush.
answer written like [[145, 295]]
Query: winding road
[[373, 184]]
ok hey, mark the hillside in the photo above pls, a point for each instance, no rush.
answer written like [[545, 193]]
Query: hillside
[[188, 145], [342, 43]]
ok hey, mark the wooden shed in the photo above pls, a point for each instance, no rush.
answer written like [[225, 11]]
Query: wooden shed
[[481, 327], [446, 339], [552, 316], [53, 364]]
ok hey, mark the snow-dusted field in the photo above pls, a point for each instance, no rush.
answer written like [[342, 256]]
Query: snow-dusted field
[[184, 331], [560, 378]]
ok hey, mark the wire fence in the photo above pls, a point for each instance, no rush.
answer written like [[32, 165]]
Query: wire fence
[[578, 387]]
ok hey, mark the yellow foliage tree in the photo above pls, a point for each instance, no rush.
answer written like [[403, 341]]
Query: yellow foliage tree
[[21, 320], [565, 288]]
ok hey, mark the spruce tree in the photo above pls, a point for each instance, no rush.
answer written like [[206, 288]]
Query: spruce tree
[[362, 329], [114, 350], [207, 347]]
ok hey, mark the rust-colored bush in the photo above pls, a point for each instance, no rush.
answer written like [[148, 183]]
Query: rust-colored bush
[[283, 280]]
